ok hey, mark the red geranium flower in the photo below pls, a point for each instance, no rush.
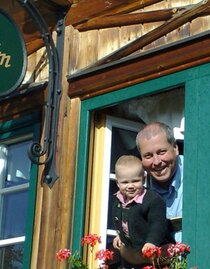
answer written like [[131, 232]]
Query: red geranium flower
[[183, 248], [63, 254], [90, 239], [104, 255], [178, 249], [154, 252]]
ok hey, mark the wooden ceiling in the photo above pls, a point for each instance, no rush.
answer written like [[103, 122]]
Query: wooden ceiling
[[96, 14]]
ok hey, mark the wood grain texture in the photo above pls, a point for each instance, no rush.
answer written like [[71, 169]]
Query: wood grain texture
[[140, 68]]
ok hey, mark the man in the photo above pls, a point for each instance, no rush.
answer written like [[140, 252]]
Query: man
[[161, 159]]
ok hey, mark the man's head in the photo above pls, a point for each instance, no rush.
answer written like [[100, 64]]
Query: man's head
[[158, 150], [129, 175]]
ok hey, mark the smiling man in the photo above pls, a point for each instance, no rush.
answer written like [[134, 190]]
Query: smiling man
[[160, 158]]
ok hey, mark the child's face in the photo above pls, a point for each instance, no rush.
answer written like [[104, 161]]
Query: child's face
[[130, 181]]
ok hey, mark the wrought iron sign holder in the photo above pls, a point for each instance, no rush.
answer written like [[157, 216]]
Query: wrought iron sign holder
[[55, 58]]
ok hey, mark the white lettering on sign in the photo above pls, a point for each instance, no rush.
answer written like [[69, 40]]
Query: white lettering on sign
[[5, 59]]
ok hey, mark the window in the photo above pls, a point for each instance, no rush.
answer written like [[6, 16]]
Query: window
[[115, 136], [195, 82], [15, 202], [118, 137]]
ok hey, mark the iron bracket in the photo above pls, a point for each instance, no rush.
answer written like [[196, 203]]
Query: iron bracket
[[55, 60]]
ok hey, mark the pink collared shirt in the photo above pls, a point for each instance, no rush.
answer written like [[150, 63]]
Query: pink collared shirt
[[137, 199]]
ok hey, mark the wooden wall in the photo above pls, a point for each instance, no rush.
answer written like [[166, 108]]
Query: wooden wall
[[54, 207], [90, 46]]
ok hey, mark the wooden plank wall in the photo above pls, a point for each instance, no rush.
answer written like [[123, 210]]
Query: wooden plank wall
[[54, 207], [90, 46]]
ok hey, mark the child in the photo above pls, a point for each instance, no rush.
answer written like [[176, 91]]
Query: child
[[139, 214]]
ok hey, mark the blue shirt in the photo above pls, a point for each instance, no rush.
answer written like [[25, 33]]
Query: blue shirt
[[173, 195]]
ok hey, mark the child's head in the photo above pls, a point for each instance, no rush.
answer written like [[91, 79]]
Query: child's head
[[129, 175]]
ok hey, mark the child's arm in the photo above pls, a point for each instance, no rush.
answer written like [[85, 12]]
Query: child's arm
[[117, 242]]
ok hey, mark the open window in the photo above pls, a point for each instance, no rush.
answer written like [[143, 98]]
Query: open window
[[17, 193], [193, 85], [114, 135]]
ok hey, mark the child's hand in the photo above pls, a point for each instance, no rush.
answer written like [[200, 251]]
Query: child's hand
[[146, 246], [117, 243]]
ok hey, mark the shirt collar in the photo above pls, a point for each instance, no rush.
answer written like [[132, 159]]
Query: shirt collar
[[176, 180], [137, 199]]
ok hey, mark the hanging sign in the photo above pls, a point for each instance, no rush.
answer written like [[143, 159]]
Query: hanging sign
[[13, 56]]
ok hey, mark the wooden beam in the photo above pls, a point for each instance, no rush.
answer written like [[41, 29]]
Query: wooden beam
[[86, 9], [50, 12], [128, 19], [34, 46], [63, 3], [135, 18], [24, 102], [177, 21], [149, 65]]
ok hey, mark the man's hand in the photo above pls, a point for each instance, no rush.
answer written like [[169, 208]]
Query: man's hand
[[146, 246], [117, 243]]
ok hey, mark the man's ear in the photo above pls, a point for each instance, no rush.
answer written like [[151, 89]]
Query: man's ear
[[176, 148]]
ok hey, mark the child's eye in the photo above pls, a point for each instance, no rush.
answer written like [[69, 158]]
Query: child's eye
[[124, 182], [137, 179]]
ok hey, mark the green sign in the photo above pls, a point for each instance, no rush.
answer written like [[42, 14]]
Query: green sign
[[13, 55]]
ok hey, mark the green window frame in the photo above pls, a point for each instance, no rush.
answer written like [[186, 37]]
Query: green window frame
[[10, 130], [196, 82]]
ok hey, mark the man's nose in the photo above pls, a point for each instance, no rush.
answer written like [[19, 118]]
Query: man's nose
[[156, 159]]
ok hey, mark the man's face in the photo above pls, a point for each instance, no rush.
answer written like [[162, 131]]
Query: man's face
[[158, 156]]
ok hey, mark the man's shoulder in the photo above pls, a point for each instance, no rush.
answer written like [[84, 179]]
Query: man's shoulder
[[152, 194], [181, 159]]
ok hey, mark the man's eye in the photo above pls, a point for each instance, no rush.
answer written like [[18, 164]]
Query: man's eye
[[162, 152], [147, 156]]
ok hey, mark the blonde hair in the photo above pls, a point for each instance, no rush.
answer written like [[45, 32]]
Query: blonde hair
[[127, 160]]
